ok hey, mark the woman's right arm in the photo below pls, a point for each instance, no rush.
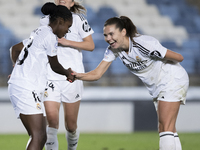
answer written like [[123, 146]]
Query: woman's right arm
[[94, 74], [58, 68]]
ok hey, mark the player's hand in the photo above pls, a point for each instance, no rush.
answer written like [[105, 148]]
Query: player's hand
[[70, 76], [63, 42], [77, 75]]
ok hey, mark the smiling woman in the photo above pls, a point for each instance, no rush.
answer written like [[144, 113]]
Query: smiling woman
[[158, 68]]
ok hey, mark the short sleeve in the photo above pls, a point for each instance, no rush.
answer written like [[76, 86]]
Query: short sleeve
[[83, 26], [158, 51], [150, 47], [109, 56]]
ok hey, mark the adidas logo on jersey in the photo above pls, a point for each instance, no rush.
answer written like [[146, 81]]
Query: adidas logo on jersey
[[77, 96]]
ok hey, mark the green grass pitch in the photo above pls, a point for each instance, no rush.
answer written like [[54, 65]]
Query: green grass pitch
[[106, 141]]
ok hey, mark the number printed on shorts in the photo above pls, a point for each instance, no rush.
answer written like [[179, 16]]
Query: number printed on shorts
[[36, 97]]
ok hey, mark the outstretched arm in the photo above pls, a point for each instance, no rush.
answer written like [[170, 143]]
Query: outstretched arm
[[94, 74], [15, 51], [87, 43], [173, 56]]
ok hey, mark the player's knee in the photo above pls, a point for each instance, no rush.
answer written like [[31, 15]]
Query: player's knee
[[162, 127], [53, 123], [41, 137], [71, 127]]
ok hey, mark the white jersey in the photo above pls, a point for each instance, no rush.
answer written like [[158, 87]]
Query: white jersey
[[70, 57], [31, 67], [145, 60]]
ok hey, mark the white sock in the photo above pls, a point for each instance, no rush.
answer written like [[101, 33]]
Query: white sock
[[72, 140], [177, 141], [52, 140], [167, 141], [30, 138]]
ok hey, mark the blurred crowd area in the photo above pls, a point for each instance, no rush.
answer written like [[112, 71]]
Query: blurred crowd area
[[175, 23]]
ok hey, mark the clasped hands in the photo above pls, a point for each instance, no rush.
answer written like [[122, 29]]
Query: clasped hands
[[70, 75]]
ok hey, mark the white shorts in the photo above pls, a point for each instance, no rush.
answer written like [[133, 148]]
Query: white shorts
[[25, 101], [63, 91], [174, 93], [176, 88]]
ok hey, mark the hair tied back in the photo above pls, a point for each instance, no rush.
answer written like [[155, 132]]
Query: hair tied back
[[48, 8]]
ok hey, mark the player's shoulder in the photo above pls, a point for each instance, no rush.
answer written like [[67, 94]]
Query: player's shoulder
[[145, 39], [44, 32], [44, 20], [78, 17]]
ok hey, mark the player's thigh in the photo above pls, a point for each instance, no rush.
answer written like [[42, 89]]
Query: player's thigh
[[52, 111], [167, 112], [34, 124], [71, 111]]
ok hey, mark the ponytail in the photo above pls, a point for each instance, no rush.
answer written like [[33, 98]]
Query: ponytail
[[131, 30], [123, 22]]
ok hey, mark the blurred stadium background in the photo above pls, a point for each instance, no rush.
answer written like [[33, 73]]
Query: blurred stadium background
[[117, 102]]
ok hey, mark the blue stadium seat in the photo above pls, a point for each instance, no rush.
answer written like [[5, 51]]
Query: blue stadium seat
[[117, 67], [96, 28], [92, 59], [6, 41], [91, 14], [170, 10], [101, 44], [180, 12], [191, 54], [197, 23], [192, 44], [106, 12], [188, 63], [170, 45], [37, 11]]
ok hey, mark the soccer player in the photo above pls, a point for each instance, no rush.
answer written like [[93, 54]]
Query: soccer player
[[158, 68], [28, 79], [58, 90]]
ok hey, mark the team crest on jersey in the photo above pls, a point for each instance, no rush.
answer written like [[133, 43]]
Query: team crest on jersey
[[38, 106], [86, 27], [138, 58], [46, 93]]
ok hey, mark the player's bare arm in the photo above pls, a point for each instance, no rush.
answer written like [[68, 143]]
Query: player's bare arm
[[173, 56], [87, 43], [15, 51], [94, 74], [57, 67]]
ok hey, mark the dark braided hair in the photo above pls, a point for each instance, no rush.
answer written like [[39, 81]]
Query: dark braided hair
[[121, 23], [56, 11]]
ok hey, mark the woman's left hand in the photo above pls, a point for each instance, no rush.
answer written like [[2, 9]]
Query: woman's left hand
[[63, 42]]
